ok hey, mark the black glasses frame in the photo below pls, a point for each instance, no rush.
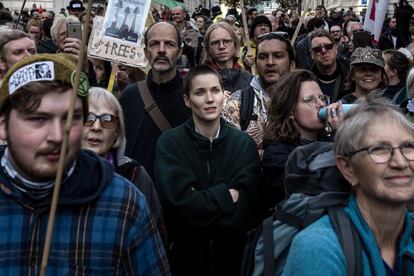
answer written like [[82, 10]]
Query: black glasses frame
[[327, 47], [104, 123], [273, 35]]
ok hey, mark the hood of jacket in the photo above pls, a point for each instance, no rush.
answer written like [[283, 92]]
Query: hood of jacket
[[90, 177], [256, 83]]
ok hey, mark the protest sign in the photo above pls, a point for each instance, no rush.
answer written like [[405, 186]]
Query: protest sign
[[114, 49], [125, 19]]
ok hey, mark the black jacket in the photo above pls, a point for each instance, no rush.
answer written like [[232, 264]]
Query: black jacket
[[275, 157], [385, 41], [235, 79], [141, 132], [341, 74], [193, 178]]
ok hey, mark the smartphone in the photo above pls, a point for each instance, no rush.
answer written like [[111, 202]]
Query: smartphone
[[75, 30]]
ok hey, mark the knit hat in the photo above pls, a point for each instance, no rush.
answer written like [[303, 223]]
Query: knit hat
[[75, 5], [367, 55], [260, 19], [43, 67]]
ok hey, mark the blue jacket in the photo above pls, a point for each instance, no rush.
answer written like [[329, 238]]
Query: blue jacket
[[102, 227], [316, 249]]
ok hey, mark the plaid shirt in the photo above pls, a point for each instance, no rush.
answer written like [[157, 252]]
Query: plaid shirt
[[113, 234]]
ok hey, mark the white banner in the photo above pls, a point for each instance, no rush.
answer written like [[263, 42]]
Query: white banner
[[374, 18]]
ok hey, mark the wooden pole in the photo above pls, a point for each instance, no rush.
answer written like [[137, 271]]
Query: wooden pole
[[246, 35], [58, 180], [302, 17], [20, 15]]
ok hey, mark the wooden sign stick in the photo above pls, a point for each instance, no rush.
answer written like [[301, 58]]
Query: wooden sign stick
[[58, 180]]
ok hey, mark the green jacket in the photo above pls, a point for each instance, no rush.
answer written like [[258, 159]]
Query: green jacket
[[193, 176]]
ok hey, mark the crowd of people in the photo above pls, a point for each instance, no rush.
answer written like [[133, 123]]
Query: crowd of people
[[168, 170]]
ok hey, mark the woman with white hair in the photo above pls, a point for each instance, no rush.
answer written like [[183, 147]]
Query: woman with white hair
[[104, 134], [59, 33]]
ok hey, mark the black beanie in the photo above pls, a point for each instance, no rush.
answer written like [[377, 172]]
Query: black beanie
[[260, 19]]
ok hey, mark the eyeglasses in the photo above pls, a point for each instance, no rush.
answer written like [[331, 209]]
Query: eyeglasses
[[327, 47], [383, 153], [313, 100], [106, 120], [273, 35], [225, 42]]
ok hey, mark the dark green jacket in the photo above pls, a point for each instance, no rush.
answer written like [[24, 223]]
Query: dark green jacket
[[193, 176]]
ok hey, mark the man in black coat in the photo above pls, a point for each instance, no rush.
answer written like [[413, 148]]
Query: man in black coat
[[163, 50], [403, 14]]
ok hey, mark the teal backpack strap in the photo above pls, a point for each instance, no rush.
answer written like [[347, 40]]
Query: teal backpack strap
[[349, 240]]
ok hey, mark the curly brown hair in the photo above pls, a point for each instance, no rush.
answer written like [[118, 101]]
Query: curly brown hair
[[285, 94]]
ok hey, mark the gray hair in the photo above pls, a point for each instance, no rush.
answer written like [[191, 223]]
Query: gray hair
[[349, 27], [57, 22], [97, 94], [357, 122]]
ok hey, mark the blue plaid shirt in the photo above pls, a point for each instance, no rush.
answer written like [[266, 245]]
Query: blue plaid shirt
[[112, 234]]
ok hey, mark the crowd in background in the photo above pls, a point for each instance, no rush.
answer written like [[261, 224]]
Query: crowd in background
[[205, 132]]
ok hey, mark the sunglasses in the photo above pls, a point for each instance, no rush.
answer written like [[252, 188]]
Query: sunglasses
[[106, 120], [273, 35], [319, 49]]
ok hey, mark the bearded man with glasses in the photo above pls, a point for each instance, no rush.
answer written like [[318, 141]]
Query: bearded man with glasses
[[330, 71]]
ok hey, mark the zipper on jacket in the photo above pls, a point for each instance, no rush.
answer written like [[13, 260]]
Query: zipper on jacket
[[208, 160]]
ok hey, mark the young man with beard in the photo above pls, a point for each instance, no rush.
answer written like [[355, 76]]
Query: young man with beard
[[221, 48], [207, 176], [390, 39], [102, 225], [165, 84], [330, 71], [246, 109]]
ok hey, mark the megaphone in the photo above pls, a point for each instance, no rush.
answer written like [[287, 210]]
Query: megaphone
[[345, 108]]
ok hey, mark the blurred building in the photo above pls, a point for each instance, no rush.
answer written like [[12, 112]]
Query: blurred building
[[357, 5]]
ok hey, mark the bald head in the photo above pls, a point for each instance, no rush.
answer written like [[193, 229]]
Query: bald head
[[162, 24]]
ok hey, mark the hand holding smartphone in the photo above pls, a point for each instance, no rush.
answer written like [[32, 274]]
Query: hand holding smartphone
[[74, 30]]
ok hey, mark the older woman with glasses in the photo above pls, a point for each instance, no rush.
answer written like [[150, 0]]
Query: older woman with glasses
[[103, 133], [293, 121], [375, 152]]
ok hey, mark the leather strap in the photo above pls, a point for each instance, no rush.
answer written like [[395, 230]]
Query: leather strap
[[152, 108]]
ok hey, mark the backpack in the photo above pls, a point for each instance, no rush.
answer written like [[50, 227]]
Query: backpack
[[246, 107], [314, 187]]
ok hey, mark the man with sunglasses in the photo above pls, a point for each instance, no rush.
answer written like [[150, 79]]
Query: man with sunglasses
[[246, 109], [330, 71], [102, 224], [303, 59]]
